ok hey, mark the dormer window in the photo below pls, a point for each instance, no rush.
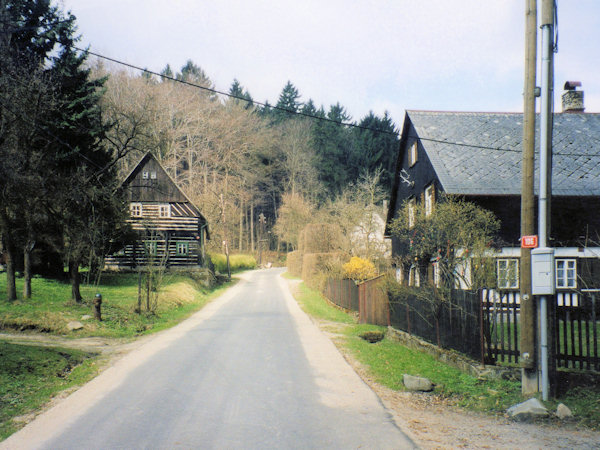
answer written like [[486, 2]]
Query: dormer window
[[164, 210], [135, 209], [412, 154]]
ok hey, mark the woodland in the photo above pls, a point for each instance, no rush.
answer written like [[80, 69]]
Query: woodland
[[72, 127]]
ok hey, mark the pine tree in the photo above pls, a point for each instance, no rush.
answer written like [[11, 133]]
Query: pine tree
[[289, 100]]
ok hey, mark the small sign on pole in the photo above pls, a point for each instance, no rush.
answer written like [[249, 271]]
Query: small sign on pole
[[529, 241]]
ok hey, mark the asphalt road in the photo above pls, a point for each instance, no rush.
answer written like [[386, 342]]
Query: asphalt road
[[248, 371]]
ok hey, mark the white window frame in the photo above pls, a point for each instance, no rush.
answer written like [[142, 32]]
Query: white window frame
[[507, 273], [136, 209], [164, 210], [437, 276], [145, 175], [413, 154], [414, 277], [153, 175], [412, 212], [566, 273], [429, 199], [182, 245]]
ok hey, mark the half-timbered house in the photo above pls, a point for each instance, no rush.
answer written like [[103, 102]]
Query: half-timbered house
[[170, 229]]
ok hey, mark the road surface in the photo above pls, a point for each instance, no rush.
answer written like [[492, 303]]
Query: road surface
[[248, 371]]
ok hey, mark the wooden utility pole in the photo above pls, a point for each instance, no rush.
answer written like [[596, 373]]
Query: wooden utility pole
[[529, 382]]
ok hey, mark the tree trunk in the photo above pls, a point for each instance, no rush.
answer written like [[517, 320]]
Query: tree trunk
[[252, 227], [75, 280], [27, 269], [11, 286], [240, 248]]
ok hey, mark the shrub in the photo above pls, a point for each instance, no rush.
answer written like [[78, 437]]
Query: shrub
[[359, 269], [294, 263], [237, 263], [320, 238], [316, 267]]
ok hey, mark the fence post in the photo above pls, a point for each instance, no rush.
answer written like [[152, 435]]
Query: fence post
[[481, 335]]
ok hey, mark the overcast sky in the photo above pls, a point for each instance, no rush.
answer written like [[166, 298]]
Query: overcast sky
[[458, 55]]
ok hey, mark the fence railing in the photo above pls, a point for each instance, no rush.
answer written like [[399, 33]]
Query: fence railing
[[453, 324], [344, 293], [484, 325]]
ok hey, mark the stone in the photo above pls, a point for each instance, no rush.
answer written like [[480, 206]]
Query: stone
[[528, 410], [413, 383], [86, 317], [563, 412], [74, 325]]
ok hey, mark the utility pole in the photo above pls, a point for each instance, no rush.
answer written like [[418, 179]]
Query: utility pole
[[547, 295], [529, 382]]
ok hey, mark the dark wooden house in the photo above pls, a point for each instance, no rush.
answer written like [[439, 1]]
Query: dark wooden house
[[170, 229], [477, 156]]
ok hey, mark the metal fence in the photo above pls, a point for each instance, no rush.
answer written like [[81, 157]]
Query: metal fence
[[453, 324], [344, 293]]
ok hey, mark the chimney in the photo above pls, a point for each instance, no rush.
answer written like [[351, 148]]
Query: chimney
[[572, 99]]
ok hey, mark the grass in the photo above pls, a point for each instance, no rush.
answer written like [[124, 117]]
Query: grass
[[388, 360], [30, 375], [50, 308]]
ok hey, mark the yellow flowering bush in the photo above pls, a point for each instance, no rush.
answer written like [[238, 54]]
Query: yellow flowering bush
[[359, 269]]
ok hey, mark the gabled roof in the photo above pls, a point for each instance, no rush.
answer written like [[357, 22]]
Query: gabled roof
[[172, 193], [453, 142]]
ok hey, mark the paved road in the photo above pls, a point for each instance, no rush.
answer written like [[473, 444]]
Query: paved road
[[248, 371]]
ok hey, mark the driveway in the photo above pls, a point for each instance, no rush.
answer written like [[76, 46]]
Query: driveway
[[250, 370]]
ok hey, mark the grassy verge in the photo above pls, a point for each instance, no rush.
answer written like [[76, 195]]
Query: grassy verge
[[30, 376], [388, 360], [50, 308]]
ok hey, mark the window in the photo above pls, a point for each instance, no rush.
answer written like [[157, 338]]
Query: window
[[135, 209], [183, 248], [437, 276], [412, 154], [508, 273], [164, 211], [566, 273], [429, 199], [412, 212], [145, 175], [414, 278], [153, 175], [151, 248]]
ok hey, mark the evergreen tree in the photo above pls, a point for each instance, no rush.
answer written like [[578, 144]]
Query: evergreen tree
[[238, 94], [375, 149], [289, 100], [167, 72]]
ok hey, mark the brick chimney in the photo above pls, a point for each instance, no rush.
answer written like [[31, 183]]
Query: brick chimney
[[572, 99]]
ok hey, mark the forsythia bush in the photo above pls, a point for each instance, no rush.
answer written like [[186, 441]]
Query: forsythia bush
[[359, 269]]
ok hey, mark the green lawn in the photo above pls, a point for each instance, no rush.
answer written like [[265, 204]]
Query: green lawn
[[30, 376], [50, 309]]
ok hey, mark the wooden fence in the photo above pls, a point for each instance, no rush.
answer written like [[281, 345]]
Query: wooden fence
[[344, 293], [373, 303]]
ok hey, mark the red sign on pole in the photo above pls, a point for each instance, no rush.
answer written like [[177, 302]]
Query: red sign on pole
[[529, 241]]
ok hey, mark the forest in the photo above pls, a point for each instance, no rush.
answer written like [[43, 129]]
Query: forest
[[73, 126]]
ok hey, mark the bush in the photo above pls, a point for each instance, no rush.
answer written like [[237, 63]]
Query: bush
[[237, 263], [294, 263], [320, 238], [317, 267], [359, 269]]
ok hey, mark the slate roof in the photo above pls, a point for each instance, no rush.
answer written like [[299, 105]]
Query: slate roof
[[470, 170]]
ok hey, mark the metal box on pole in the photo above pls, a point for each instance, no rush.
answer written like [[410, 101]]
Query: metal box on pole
[[542, 271]]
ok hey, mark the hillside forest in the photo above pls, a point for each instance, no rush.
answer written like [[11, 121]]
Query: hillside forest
[[72, 128]]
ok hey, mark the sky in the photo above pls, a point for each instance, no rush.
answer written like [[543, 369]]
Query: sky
[[369, 55]]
